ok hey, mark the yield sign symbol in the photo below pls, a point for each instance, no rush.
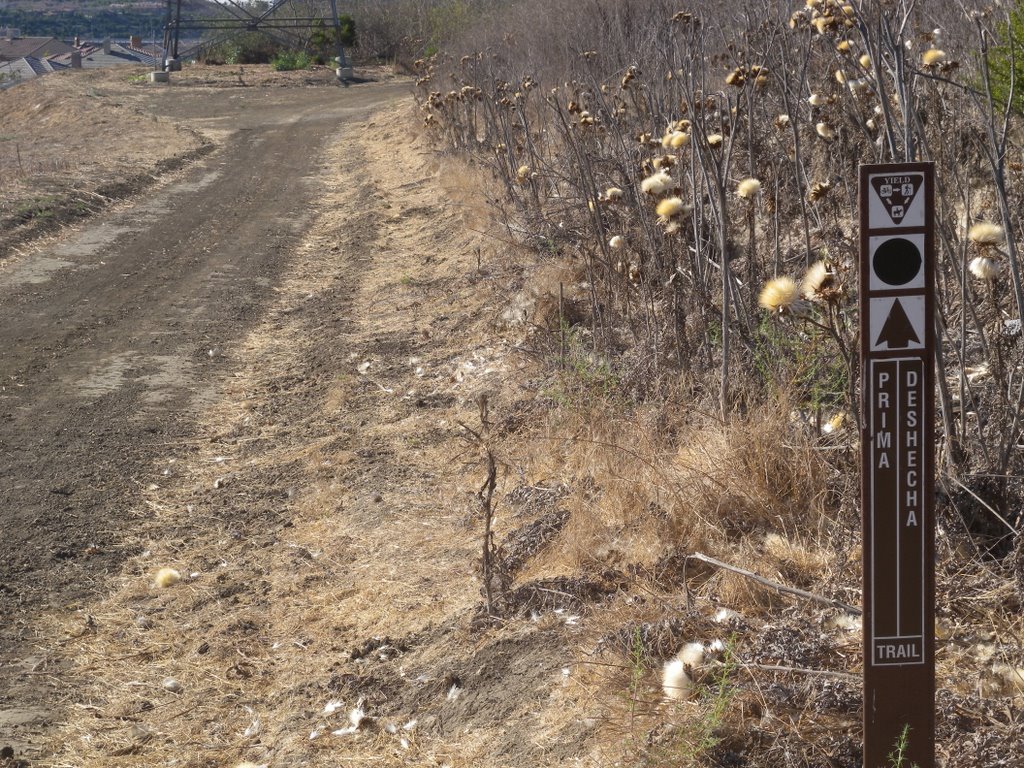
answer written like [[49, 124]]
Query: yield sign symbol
[[897, 331], [897, 196]]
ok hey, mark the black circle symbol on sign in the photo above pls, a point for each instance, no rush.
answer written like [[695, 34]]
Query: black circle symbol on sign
[[896, 261]]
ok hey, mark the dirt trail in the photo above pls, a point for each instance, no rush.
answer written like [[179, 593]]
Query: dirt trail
[[272, 407], [116, 336]]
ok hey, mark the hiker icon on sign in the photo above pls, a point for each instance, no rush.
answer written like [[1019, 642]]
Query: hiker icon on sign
[[907, 190]]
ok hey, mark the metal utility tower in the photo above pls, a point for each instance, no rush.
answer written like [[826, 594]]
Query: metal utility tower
[[246, 18]]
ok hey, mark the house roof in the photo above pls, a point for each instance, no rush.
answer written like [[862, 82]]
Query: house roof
[[144, 55], [38, 47], [25, 68], [93, 57], [43, 66], [154, 51], [14, 72]]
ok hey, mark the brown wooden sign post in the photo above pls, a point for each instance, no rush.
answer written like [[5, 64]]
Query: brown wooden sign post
[[897, 287]]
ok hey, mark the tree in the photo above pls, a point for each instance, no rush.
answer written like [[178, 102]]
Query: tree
[[1006, 60], [325, 39]]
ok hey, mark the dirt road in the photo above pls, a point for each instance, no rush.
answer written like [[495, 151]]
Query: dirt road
[[117, 333]]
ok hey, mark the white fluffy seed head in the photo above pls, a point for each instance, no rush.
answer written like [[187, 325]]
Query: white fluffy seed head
[[984, 267], [778, 294], [835, 424], [748, 188], [677, 676], [613, 194], [679, 139], [932, 57], [675, 682], [669, 207], [166, 577], [985, 233], [817, 278], [617, 242], [846, 622], [656, 183], [816, 99], [825, 131], [726, 615], [692, 655]]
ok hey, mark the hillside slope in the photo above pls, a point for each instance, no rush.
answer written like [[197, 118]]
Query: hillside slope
[[96, 19]]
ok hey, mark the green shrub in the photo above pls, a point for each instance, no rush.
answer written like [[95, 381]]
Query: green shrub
[[1006, 60], [246, 48], [289, 61], [325, 39]]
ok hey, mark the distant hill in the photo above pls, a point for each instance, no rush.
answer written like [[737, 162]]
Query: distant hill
[[95, 19]]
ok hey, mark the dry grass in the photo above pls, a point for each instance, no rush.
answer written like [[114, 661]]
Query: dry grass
[[650, 485], [68, 126], [330, 506]]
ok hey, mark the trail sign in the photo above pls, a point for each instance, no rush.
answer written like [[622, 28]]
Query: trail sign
[[896, 322], [895, 194], [898, 455]]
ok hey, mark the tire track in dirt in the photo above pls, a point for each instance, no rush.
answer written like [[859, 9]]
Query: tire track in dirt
[[327, 521]]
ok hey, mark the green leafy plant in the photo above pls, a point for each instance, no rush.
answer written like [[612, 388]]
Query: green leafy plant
[[791, 355], [247, 48], [637, 669], [289, 61], [584, 375], [325, 39], [1006, 60], [716, 698], [898, 756]]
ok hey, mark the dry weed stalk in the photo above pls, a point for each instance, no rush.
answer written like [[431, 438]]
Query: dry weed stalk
[[485, 496]]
